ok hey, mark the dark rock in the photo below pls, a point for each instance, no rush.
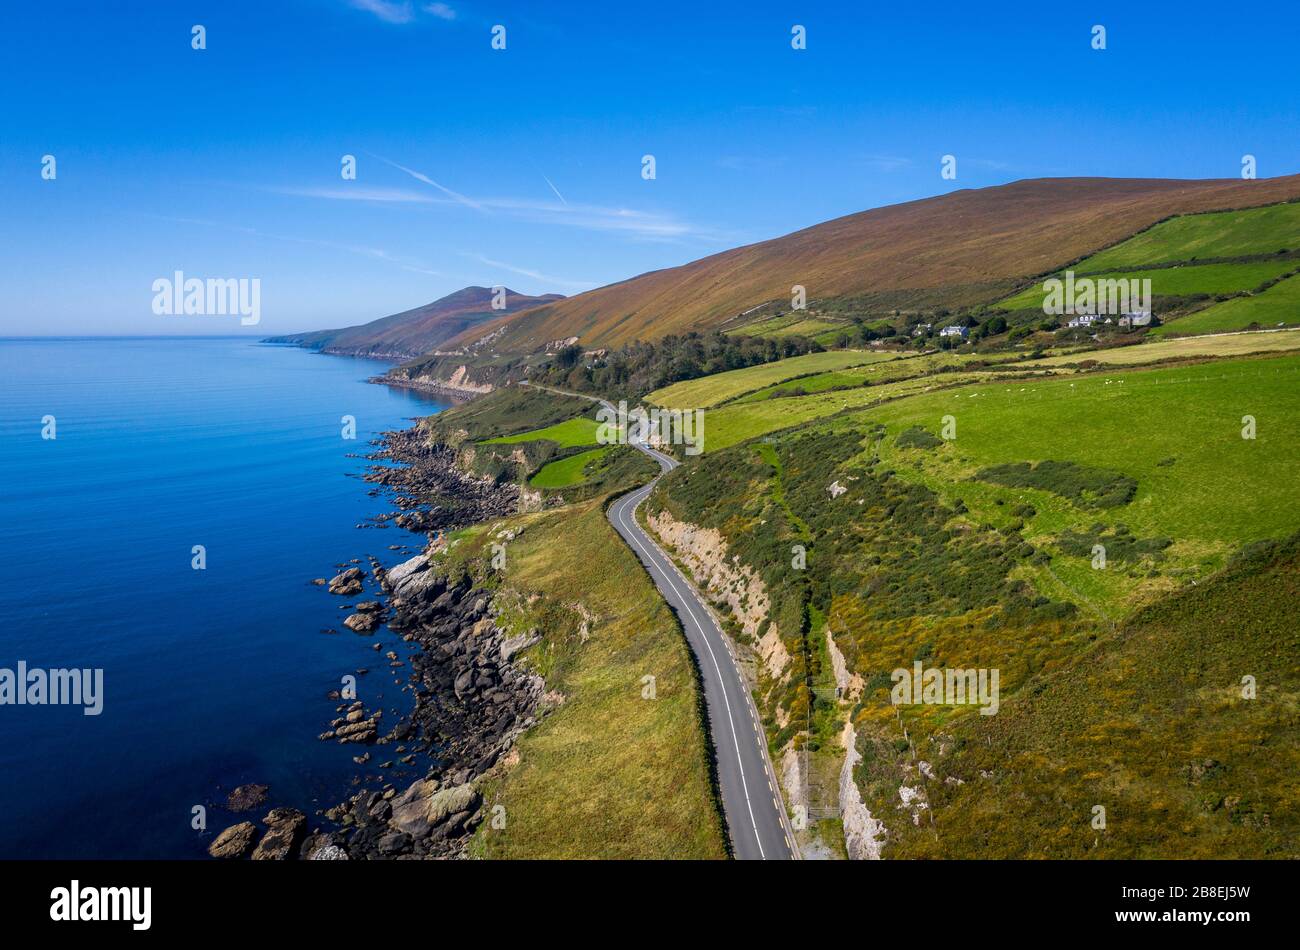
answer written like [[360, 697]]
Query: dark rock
[[247, 797]]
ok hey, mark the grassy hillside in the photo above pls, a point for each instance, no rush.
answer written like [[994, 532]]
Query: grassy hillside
[[720, 387], [566, 471], [605, 773], [887, 258], [1201, 236], [1151, 724], [886, 371], [1279, 304], [1179, 281], [507, 412], [1177, 431], [572, 432], [1179, 349], [978, 552], [417, 331]]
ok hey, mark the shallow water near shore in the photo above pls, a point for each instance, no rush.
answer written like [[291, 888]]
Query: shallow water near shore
[[212, 678]]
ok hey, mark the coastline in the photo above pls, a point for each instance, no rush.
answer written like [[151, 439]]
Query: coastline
[[470, 700], [444, 390]]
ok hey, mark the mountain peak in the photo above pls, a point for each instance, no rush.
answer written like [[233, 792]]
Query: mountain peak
[[421, 329]]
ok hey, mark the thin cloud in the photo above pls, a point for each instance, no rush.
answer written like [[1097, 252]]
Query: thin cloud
[[535, 275], [440, 10], [373, 253], [352, 193], [644, 225], [887, 163], [387, 10]]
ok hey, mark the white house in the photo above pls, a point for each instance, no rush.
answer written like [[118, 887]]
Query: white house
[[954, 331], [1084, 320], [922, 328]]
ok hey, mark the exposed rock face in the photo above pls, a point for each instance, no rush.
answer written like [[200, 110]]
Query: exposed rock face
[[235, 842], [848, 683], [864, 835], [725, 579], [461, 382], [285, 828], [348, 582]]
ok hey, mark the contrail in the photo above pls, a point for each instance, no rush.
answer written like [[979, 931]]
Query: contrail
[[420, 176], [554, 189]]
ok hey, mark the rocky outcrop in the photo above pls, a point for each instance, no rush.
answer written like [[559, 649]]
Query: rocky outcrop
[[361, 622], [235, 842], [347, 583], [724, 579], [471, 703], [285, 829], [247, 797], [430, 491]]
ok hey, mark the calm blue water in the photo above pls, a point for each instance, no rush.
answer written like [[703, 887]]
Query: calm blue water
[[212, 678]]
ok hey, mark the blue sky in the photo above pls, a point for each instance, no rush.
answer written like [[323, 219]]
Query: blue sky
[[523, 166]]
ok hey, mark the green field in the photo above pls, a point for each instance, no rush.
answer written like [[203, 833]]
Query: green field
[[711, 390], [884, 371], [1279, 304], [1181, 348], [567, 471], [807, 385], [1213, 494], [788, 325], [568, 434], [738, 421], [1263, 230], [1176, 281]]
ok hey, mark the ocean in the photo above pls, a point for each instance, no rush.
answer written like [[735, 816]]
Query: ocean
[[211, 678]]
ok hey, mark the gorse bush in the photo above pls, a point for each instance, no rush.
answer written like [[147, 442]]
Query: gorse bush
[[1085, 485]]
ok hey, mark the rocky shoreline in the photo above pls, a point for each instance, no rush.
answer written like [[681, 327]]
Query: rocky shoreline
[[471, 701], [445, 390], [431, 493]]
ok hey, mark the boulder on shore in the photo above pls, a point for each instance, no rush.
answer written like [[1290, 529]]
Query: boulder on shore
[[285, 828], [361, 623], [235, 842], [348, 582]]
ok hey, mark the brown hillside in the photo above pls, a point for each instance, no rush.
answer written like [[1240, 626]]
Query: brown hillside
[[973, 243], [417, 331]]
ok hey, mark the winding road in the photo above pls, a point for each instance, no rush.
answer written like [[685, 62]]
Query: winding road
[[751, 796]]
